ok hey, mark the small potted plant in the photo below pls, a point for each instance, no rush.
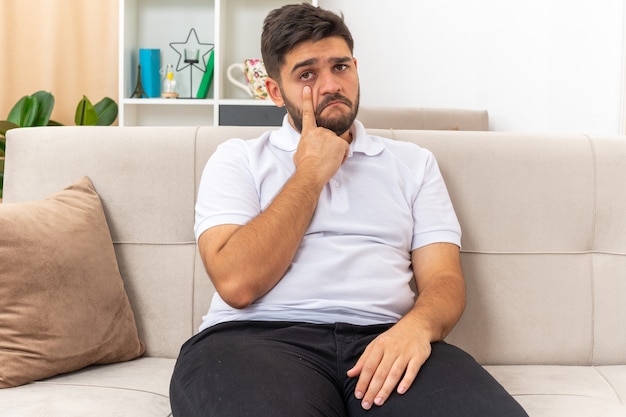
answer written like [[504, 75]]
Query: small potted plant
[[36, 109]]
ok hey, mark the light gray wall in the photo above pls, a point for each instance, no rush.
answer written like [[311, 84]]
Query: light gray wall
[[535, 65]]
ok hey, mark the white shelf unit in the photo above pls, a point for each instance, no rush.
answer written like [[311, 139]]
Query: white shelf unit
[[233, 26]]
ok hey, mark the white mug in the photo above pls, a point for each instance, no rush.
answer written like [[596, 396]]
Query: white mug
[[254, 71]]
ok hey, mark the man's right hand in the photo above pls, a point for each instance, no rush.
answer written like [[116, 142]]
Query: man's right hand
[[320, 151]]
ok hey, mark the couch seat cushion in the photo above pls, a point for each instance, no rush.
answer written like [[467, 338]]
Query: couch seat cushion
[[137, 388], [565, 391]]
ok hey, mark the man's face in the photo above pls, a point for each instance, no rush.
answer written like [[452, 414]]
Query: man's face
[[327, 66]]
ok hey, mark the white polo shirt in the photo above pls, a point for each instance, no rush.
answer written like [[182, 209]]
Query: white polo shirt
[[354, 263]]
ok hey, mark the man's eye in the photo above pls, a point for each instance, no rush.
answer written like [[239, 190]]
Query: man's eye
[[341, 67], [306, 75]]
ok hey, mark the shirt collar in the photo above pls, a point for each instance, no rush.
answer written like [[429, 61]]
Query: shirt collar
[[286, 138]]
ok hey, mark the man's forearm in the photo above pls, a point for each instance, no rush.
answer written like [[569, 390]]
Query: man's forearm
[[255, 256], [441, 290], [437, 308]]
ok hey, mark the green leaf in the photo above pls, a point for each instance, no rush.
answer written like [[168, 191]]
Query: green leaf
[[29, 110], [6, 126], [106, 110], [16, 111], [34, 110], [16, 115], [85, 113], [46, 104]]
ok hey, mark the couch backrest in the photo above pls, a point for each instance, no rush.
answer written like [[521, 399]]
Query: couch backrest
[[423, 118], [544, 221]]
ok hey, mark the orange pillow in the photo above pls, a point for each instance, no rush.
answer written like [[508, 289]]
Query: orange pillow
[[63, 304]]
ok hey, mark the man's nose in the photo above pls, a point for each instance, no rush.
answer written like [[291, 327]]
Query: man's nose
[[327, 83]]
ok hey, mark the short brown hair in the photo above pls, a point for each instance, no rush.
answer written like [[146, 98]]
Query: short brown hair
[[289, 25]]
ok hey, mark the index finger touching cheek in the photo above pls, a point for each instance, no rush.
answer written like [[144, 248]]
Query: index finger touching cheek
[[308, 113]]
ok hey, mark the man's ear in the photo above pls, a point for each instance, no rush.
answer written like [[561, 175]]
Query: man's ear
[[273, 89]]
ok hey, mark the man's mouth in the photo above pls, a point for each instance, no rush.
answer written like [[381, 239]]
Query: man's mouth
[[333, 101]]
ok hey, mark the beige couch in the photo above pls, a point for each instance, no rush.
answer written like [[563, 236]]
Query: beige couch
[[544, 254]]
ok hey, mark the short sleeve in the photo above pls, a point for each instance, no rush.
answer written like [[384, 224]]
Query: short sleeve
[[435, 220], [227, 193]]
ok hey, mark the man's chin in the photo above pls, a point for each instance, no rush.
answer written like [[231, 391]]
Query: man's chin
[[338, 125]]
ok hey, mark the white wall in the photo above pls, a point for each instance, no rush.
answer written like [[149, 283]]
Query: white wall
[[535, 65]]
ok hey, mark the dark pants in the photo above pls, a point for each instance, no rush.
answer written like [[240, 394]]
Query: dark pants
[[264, 369]]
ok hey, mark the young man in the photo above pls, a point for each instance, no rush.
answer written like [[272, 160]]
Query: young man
[[312, 235]]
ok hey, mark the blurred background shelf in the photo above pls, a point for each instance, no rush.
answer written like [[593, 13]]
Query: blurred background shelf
[[232, 26]]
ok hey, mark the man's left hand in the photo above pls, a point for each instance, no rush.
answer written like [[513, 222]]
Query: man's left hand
[[391, 360]]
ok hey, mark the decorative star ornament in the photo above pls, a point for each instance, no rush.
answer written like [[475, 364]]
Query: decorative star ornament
[[203, 48]]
